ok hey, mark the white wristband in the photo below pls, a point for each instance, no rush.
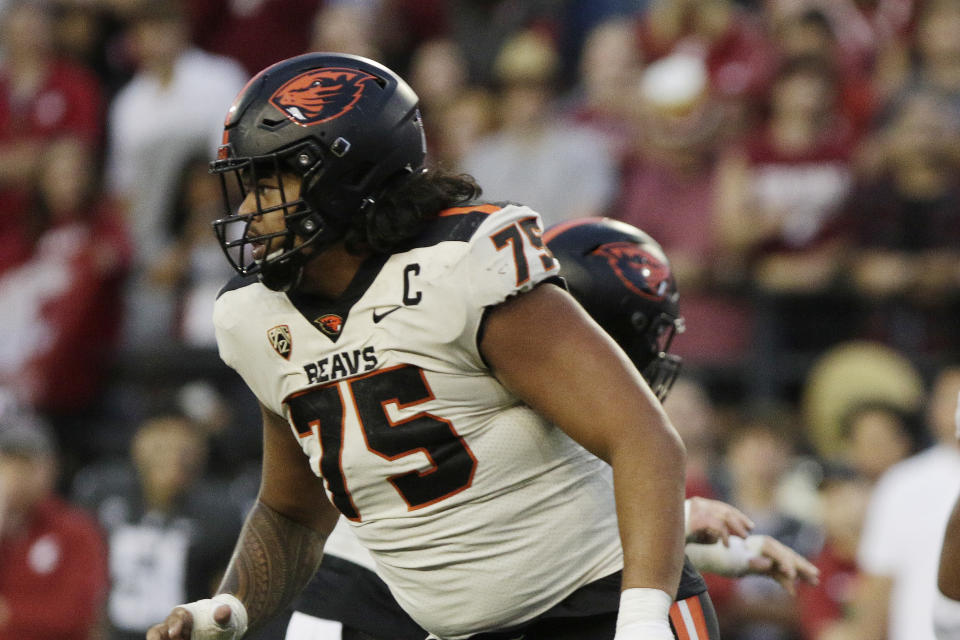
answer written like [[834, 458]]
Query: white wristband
[[644, 613], [686, 518], [206, 628], [732, 561]]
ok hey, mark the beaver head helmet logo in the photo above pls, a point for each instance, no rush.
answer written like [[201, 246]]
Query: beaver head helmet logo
[[320, 95], [639, 271]]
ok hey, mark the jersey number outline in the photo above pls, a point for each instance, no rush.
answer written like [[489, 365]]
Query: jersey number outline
[[452, 462], [513, 235]]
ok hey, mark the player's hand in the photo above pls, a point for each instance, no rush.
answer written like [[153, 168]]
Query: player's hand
[[712, 520], [201, 620], [783, 564]]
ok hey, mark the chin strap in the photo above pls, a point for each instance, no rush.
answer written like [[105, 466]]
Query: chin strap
[[282, 275]]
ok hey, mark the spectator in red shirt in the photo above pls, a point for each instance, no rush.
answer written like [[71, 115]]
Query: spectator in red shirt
[[670, 189], [810, 33], [901, 218], [62, 302], [41, 97], [53, 562], [781, 191], [738, 55], [256, 34], [870, 33], [905, 203]]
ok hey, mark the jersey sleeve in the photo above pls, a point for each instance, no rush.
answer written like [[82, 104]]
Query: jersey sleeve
[[506, 257]]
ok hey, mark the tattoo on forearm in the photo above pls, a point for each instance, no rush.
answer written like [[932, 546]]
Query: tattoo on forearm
[[274, 559]]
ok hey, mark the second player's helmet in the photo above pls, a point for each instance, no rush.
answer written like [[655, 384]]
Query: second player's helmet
[[345, 125], [622, 278]]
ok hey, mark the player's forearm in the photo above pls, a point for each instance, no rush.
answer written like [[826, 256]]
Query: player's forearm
[[274, 559], [649, 489]]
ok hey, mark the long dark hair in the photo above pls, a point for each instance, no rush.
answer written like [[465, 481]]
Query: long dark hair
[[402, 210]]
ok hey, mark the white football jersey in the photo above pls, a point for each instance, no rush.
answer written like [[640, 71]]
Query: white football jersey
[[479, 514]]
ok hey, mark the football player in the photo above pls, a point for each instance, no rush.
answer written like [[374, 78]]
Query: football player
[[623, 280], [421, 373]]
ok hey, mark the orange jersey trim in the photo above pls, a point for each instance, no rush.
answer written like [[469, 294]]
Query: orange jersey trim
[[456, 211], [681, 623]]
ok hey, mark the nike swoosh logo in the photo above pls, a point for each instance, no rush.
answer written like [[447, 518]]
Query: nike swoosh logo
[[377, 317]]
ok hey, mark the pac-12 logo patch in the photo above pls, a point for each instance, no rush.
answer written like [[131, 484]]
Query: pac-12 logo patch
[[330, 323], [639, 270], [280, 340], [320, 95]]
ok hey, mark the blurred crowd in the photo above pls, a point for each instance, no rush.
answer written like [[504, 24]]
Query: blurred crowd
[[799, 161]]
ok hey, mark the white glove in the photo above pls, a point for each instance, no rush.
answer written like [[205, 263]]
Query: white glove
[[644, 615], [732, 561], [206, 628]]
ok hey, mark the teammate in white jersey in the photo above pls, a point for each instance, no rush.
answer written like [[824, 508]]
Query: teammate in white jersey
[[500, 457]]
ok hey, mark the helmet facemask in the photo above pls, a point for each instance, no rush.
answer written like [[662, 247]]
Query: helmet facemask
[[659, 368], [281, 265], [345, 125]]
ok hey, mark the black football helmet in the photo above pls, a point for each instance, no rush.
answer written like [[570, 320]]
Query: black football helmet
[[346, 125], [622, 278]]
